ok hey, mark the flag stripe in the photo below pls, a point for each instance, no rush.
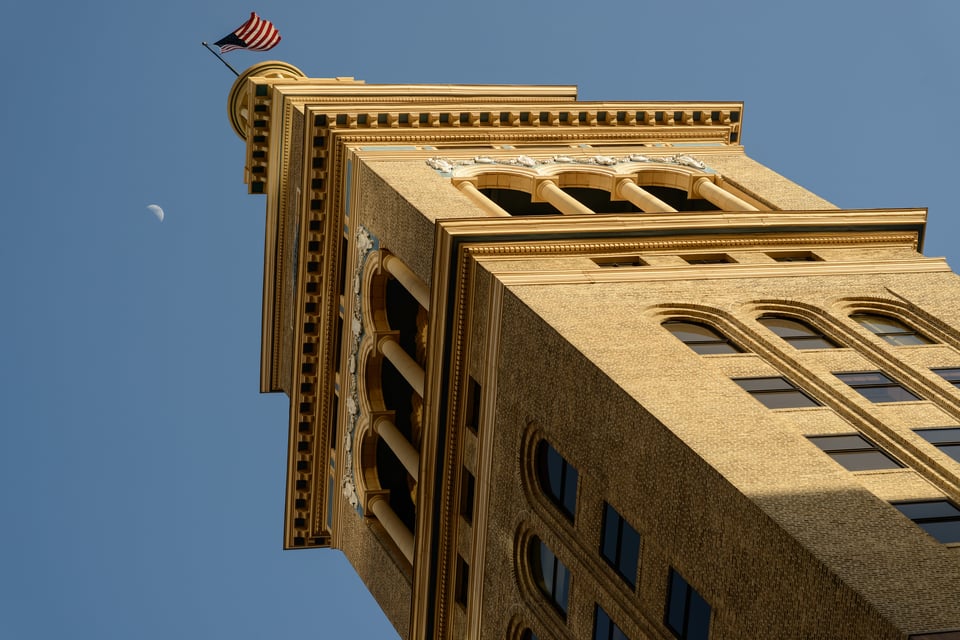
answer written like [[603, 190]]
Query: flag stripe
[[256, 34]]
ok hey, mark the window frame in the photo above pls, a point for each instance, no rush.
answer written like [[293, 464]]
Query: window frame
[[928, 522], [678, 586], [839, 453], [953, 377], [790, 389], [703, 347], [950, 447], [610, 631], [557, 591], [890, 384], [809, 334], [565, 497], [624, 530], [892, 337]]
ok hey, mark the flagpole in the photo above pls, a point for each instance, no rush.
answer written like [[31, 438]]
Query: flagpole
[[235, 72]]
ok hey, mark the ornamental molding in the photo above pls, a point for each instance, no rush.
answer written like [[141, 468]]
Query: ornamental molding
[[448, 166], [365, 244], [680, 244]]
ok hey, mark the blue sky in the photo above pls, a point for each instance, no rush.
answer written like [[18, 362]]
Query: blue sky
[[141, 472]]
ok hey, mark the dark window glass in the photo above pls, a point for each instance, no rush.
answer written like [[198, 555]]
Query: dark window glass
[[939, 518], [466, 495], [558, 478], [620, 545], [947, 440], [855, 452], [528, 635], [604, 628], [799, 334], [462, 585], [552, 576], [699, 337], [776, 393], [710, 258], [687, 614], [876, 386], [893, 331], [950, 375]]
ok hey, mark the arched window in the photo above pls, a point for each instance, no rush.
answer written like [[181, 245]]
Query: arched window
[[558, 478], [797, 333], [551, 575], [891, 330], [700, 337]]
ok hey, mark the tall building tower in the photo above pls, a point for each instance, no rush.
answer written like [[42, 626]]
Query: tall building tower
[[564, 369]]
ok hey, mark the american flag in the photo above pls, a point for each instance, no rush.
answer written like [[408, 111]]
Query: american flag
[[256, 34]]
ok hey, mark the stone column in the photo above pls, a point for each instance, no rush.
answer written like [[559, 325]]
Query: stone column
[[407, 366], [470, 190], [398, 532], [645, 201], [705, 189], [400, 446], [414, 285], [548, 191]]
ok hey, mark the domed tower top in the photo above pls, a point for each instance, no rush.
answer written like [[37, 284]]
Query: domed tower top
[[238, 107]]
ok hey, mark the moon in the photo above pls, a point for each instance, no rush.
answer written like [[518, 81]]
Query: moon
[[156, 210]]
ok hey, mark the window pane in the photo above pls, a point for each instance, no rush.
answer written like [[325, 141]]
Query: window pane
[[562, 586], [953, 375], [689, 332], [787, 328], [886, 394], [785, 400], [879, 324], [698, 622], [629, 553], [708, 348], [546, 566], [764, 384], [936, 436], [557, 478], [930, 509], [945, 532], [812, 343], [864, 377], [601, 624], [952, 450], [554, 471], [905, 339], [676, 602], [835, 443], [864, 460], [611, 529], [570, 491]]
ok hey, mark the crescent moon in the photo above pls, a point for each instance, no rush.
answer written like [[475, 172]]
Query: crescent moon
[[156, 210]]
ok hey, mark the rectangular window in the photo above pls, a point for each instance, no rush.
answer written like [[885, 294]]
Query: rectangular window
[[708, 258], [876, 386], [466, 495], [794, 256], [776, 393], [620, 545], [854, 452], [462, 583], [939, 518], [473, 404], [619, 261], [947, 440], [604, 628], [688, 614], [950, 375]]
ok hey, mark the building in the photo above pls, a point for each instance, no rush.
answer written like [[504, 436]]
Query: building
[[563, 369]]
